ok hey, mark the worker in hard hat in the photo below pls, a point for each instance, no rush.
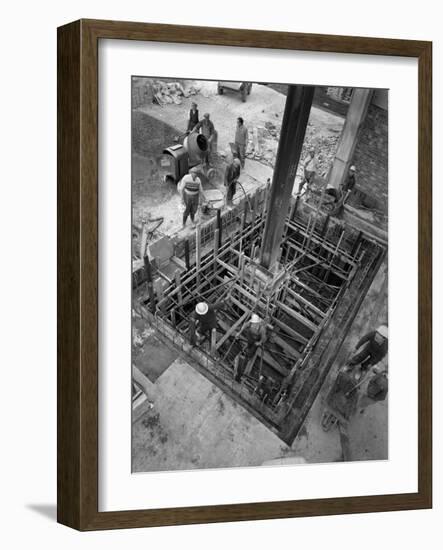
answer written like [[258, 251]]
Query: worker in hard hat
[[191, 190], [232, 173], [349, 183], [205, 319], [371, 349], [255, 334]]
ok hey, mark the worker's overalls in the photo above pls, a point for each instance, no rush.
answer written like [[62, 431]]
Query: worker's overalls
[[252, 338], [191, 193], [231, 177], [205, 323]]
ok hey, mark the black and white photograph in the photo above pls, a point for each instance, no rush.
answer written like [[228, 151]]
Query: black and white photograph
[[259, 274]]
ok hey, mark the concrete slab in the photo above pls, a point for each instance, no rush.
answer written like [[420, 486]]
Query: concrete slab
[[195, 425], [153, 358]]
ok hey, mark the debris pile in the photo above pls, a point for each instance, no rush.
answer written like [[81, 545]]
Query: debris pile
[[263, 144], [171, 92], [325, 147]]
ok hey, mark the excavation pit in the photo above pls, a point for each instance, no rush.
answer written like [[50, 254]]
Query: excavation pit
[[308, 301]]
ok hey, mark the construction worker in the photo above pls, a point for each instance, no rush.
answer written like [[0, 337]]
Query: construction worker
[[191, 190], [205, 319], [207, 129], [262, 389], [372, 348], [231, 177], [378, 385], [254, 334], [309, 169], [332, 191], [193, 117], [241, 140], [349, 183]]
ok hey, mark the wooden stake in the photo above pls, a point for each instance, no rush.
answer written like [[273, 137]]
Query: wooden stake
[[213, 341], [178, 286], [216, 246], [187, 261], [242, 268], [198, 251], [219, 227], [148, 272]]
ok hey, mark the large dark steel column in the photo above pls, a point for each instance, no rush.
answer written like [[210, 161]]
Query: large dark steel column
[[295, 120]]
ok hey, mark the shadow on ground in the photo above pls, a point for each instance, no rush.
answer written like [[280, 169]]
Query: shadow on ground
[[48, 511]]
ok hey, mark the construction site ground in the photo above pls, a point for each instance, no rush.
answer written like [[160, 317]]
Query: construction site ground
[[192, 424], [187, 422], [155, 127]]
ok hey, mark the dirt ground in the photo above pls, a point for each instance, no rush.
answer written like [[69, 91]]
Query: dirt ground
[[155, 126]]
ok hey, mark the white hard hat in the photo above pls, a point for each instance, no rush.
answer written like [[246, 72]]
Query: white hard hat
[[201, 308], [237, 160], [255, 318], [383, 330], [352, 168]]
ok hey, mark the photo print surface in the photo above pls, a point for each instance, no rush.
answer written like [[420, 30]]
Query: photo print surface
[[259, 274]]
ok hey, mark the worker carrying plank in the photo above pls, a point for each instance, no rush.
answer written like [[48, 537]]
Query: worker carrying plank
[[372, 348]]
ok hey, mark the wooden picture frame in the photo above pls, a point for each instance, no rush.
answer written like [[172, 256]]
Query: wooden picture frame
[[77, 480]]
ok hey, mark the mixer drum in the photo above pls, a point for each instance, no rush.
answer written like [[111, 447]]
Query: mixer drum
[[197, 146]]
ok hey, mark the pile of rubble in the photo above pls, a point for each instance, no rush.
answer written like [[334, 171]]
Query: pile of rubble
[[325, 147], [171, 92], [263, 144]]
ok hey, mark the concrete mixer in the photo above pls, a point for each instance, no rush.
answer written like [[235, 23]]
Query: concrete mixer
[[176, 160]]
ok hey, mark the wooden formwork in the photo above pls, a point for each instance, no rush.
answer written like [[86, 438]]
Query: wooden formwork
[[319, 263]]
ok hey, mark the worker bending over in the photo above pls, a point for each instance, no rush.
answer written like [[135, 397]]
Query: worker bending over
[[372, 348], [254, 334], [231, 177], [191, 190]]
